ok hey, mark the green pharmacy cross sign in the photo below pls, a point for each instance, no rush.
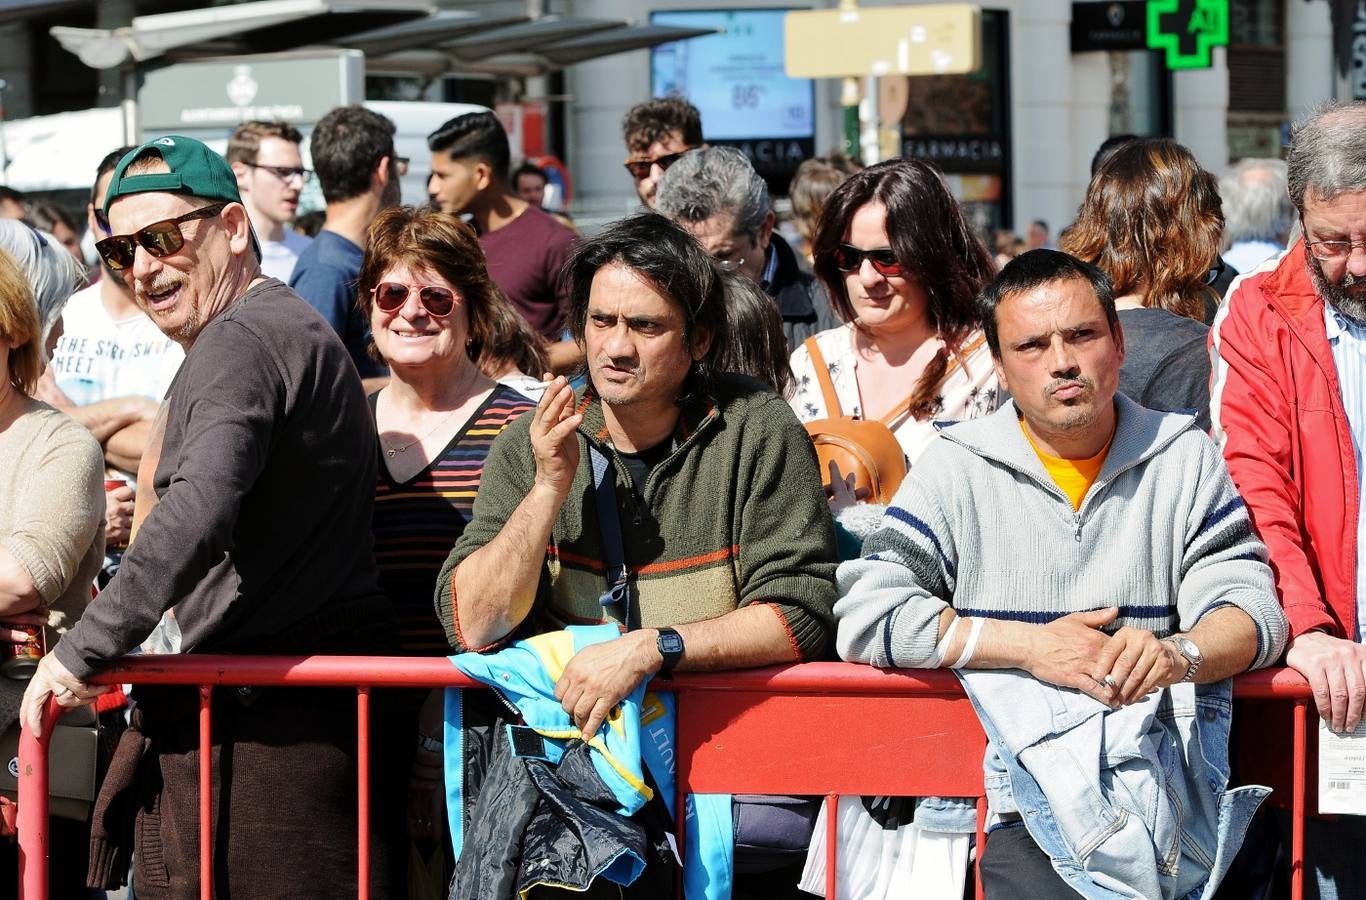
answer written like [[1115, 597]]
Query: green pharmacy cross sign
[[1187, 29]]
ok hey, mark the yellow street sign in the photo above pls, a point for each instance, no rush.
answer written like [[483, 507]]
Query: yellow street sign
[[939, 39]]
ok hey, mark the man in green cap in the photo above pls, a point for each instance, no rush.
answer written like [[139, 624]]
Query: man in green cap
[[262, 469]]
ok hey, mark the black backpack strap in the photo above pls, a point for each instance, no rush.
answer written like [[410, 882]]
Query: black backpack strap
[[616, 600]]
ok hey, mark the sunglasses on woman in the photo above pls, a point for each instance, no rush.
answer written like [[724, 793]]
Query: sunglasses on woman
[[436, 300], [849, 258], [159, 239]]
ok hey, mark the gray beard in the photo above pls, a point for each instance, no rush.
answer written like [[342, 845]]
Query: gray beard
[[1349, 304]]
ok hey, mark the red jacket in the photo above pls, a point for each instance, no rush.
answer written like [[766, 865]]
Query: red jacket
[[1278, 416]]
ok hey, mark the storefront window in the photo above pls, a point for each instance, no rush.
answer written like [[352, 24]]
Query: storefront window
[[962, 124], [1256, 78]]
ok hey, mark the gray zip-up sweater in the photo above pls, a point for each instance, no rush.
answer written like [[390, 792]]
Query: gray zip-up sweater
[[979, 525]]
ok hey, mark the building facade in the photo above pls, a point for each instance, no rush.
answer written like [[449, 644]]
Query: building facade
[[1028, 148], [1015, 138]]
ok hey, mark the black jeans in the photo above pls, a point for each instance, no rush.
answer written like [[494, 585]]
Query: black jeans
[[1013, 866]]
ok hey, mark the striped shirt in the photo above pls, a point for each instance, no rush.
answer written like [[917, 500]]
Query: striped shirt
[[416, 522], [1348, 340]]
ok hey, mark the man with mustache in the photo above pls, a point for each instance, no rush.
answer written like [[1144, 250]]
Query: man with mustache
[[1094, 547], [725, 541], [259, 542], [1289, 410], [111, 368]]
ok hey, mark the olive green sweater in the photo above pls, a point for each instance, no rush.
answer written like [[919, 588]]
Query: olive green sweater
[[734, 515]]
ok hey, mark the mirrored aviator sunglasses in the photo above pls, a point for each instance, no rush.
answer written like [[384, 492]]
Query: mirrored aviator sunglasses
[[436, 300], [159, 239], [849, 258]]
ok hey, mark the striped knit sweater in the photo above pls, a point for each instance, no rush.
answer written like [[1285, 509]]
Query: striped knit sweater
[[734, 515], [417, 521], [979, 525]]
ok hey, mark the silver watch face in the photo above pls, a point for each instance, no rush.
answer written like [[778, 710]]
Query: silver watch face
[[1189, 650]]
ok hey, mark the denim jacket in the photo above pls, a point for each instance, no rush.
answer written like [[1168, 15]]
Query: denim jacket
[[1127, 803]]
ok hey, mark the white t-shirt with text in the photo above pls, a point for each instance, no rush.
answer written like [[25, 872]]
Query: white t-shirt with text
[[98, 358]]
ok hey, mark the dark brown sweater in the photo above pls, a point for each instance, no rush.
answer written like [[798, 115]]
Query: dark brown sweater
[[261, 535]]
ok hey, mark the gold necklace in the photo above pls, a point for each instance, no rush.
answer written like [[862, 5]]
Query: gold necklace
[[391, 452]]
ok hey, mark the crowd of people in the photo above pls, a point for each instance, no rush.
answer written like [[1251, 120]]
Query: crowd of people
[[1120, 476]]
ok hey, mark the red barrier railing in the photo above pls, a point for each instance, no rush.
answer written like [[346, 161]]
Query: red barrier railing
[[781, 730]]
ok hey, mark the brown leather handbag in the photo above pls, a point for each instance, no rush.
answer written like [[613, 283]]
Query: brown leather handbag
[[864, 448]]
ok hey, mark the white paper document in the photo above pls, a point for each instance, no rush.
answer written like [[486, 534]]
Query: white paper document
[[1342, 771]]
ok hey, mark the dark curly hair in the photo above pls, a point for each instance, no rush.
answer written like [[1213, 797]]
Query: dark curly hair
[[652, 121]]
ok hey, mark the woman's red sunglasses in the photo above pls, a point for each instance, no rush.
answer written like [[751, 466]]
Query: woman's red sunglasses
[[436, 300]]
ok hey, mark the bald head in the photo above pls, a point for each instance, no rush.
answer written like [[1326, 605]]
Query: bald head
[[1328, 153]]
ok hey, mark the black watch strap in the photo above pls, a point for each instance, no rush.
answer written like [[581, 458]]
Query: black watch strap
[[670, 646]]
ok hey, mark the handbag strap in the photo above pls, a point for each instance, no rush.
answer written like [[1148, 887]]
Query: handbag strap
[[832, 400], [955, 361], [616, 600]]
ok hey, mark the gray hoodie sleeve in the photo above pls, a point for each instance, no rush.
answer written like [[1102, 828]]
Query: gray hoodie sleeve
[[1225, 563], [891, 598]]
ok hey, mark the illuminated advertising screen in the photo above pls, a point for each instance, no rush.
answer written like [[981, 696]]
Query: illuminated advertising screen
[[735, 79]]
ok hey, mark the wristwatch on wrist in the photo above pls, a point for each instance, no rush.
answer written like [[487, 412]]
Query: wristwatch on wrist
[[670, 646], [1190, 653]]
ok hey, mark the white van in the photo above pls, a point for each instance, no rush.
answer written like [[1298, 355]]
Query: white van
[[413, 122]]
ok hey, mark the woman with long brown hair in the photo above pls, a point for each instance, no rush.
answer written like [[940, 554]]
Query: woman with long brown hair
[[903, 270], [1152, 221]]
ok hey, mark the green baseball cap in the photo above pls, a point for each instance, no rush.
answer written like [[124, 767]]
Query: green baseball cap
[[194, 169]]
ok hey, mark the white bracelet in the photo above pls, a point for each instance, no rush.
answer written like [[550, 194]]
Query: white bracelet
[[971, 646], [937, 660]]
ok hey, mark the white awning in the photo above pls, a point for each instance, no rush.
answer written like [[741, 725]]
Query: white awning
[[395, 35], [222, 29], [59, 152]]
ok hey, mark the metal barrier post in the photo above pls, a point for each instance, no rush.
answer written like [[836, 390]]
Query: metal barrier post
[[979, 888], [205, 792], [32, 819], [363, 792], [1297, 802], [832, 810]]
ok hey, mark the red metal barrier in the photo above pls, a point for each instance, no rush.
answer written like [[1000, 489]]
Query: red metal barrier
[[785, 730]]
